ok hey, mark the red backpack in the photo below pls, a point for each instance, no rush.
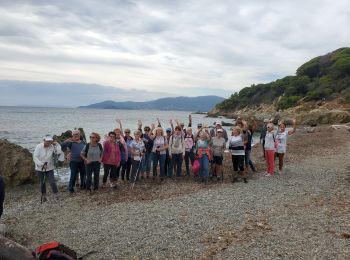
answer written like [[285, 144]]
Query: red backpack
[[54, 251]]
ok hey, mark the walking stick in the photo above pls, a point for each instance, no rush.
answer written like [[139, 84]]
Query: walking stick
[[137, 172]]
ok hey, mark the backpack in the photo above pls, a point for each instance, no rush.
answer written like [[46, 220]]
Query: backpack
[[54, 251], [172, 140], [88, 146]]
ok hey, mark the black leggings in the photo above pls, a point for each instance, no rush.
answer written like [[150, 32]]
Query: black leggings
[[2, 195]]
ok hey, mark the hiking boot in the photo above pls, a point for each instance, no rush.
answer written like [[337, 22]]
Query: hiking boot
[[147, 175], [43, 198], [245, 180], [234, 180]]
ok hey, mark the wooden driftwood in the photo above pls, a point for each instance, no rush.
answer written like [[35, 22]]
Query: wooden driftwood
[[10, 250]]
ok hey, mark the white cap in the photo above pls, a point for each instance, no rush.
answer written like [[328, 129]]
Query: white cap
[[220, 130], [48, 138], [218, 123]]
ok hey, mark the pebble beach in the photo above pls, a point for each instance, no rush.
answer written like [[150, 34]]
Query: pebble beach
[[303, 213]]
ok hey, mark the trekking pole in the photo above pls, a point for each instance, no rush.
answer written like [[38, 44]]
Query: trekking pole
[[44, 170], [137, 172]]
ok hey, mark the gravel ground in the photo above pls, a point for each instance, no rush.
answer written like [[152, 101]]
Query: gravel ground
[[302, 213]]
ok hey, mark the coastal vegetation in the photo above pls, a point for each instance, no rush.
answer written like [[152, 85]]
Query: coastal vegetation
[[322, 78]]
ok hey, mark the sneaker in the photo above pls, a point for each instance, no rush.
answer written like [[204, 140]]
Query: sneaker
[[234, 180], [245, 180], [267, 175]]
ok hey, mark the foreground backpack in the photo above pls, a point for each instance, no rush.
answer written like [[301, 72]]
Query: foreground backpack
[[54, 251]]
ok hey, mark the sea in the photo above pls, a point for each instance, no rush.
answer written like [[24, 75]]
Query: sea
[[26, 126]]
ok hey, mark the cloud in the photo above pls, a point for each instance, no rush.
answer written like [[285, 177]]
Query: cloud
[[196, 46]]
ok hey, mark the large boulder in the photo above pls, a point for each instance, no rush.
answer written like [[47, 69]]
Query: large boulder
[[16, 164]]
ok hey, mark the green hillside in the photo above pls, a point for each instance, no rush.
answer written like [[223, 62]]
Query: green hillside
[[324, 77]]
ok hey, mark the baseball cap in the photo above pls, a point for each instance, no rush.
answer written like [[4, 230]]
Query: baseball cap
[[48, 138], [220, 130], [218, 123], [168, 129], [199, 125], [266, 120]]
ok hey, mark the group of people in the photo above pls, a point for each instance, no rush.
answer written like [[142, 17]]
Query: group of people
[[127, 158]]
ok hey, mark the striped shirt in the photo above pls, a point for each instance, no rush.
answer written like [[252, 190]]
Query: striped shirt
[[236, 145]]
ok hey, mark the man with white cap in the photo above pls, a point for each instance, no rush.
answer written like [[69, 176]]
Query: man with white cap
[[43, 158], [214, 131]]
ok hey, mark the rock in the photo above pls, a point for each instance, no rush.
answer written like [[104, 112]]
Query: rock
[[10, 250], [226, 124], [311, 129], [68, 134], [16, 164], [2, 229]]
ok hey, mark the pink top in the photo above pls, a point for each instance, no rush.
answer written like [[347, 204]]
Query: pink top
[[111, 153]]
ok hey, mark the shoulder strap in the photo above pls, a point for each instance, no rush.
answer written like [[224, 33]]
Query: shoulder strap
[[87, 148], [100, 146]]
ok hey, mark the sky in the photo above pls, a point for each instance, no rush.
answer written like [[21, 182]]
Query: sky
[[162, 48]]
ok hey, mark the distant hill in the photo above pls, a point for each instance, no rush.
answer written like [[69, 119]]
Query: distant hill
[[322, 78], [195, 104]]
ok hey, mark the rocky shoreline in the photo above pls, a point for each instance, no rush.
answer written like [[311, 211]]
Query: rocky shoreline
[[303, 213]]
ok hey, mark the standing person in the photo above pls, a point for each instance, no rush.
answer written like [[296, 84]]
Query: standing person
[[270, 148], [2, 195], [176, 152], [167, 158], [247, 140], [43, 158], [119, 139], [76, 164], [282, 136], [189, 150], [236, 147], [217, 127], [127, 166], [110, 159], [146, 162], [263, 134], [92, 155], [160, 145], [218, 145], [137, 153], [203, 153], [195, 134]]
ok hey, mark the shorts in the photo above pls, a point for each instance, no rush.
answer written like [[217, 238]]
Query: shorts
[[217, 160]]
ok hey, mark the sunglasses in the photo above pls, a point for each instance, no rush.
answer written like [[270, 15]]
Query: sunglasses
[[112, 136], [92, 137], [126, 132]]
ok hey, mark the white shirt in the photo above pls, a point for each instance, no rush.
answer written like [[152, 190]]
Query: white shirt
[[282, 141], [270, 141], [45, 154]]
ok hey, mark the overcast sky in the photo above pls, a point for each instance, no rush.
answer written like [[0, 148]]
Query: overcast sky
[[177, 47]]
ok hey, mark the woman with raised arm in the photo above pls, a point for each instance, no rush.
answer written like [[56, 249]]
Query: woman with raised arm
[[160, 145], [203, 153], [137, 153], [126, 167], [282, 136]]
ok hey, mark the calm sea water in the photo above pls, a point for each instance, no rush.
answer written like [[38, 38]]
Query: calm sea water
[[26, 126]]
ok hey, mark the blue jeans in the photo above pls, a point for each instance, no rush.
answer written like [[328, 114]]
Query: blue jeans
[[42, 179], [93, 167], [204, 166], [189, 156], [161, 158], [248, 161], [75, 168], [176, 159], [146, 162]]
